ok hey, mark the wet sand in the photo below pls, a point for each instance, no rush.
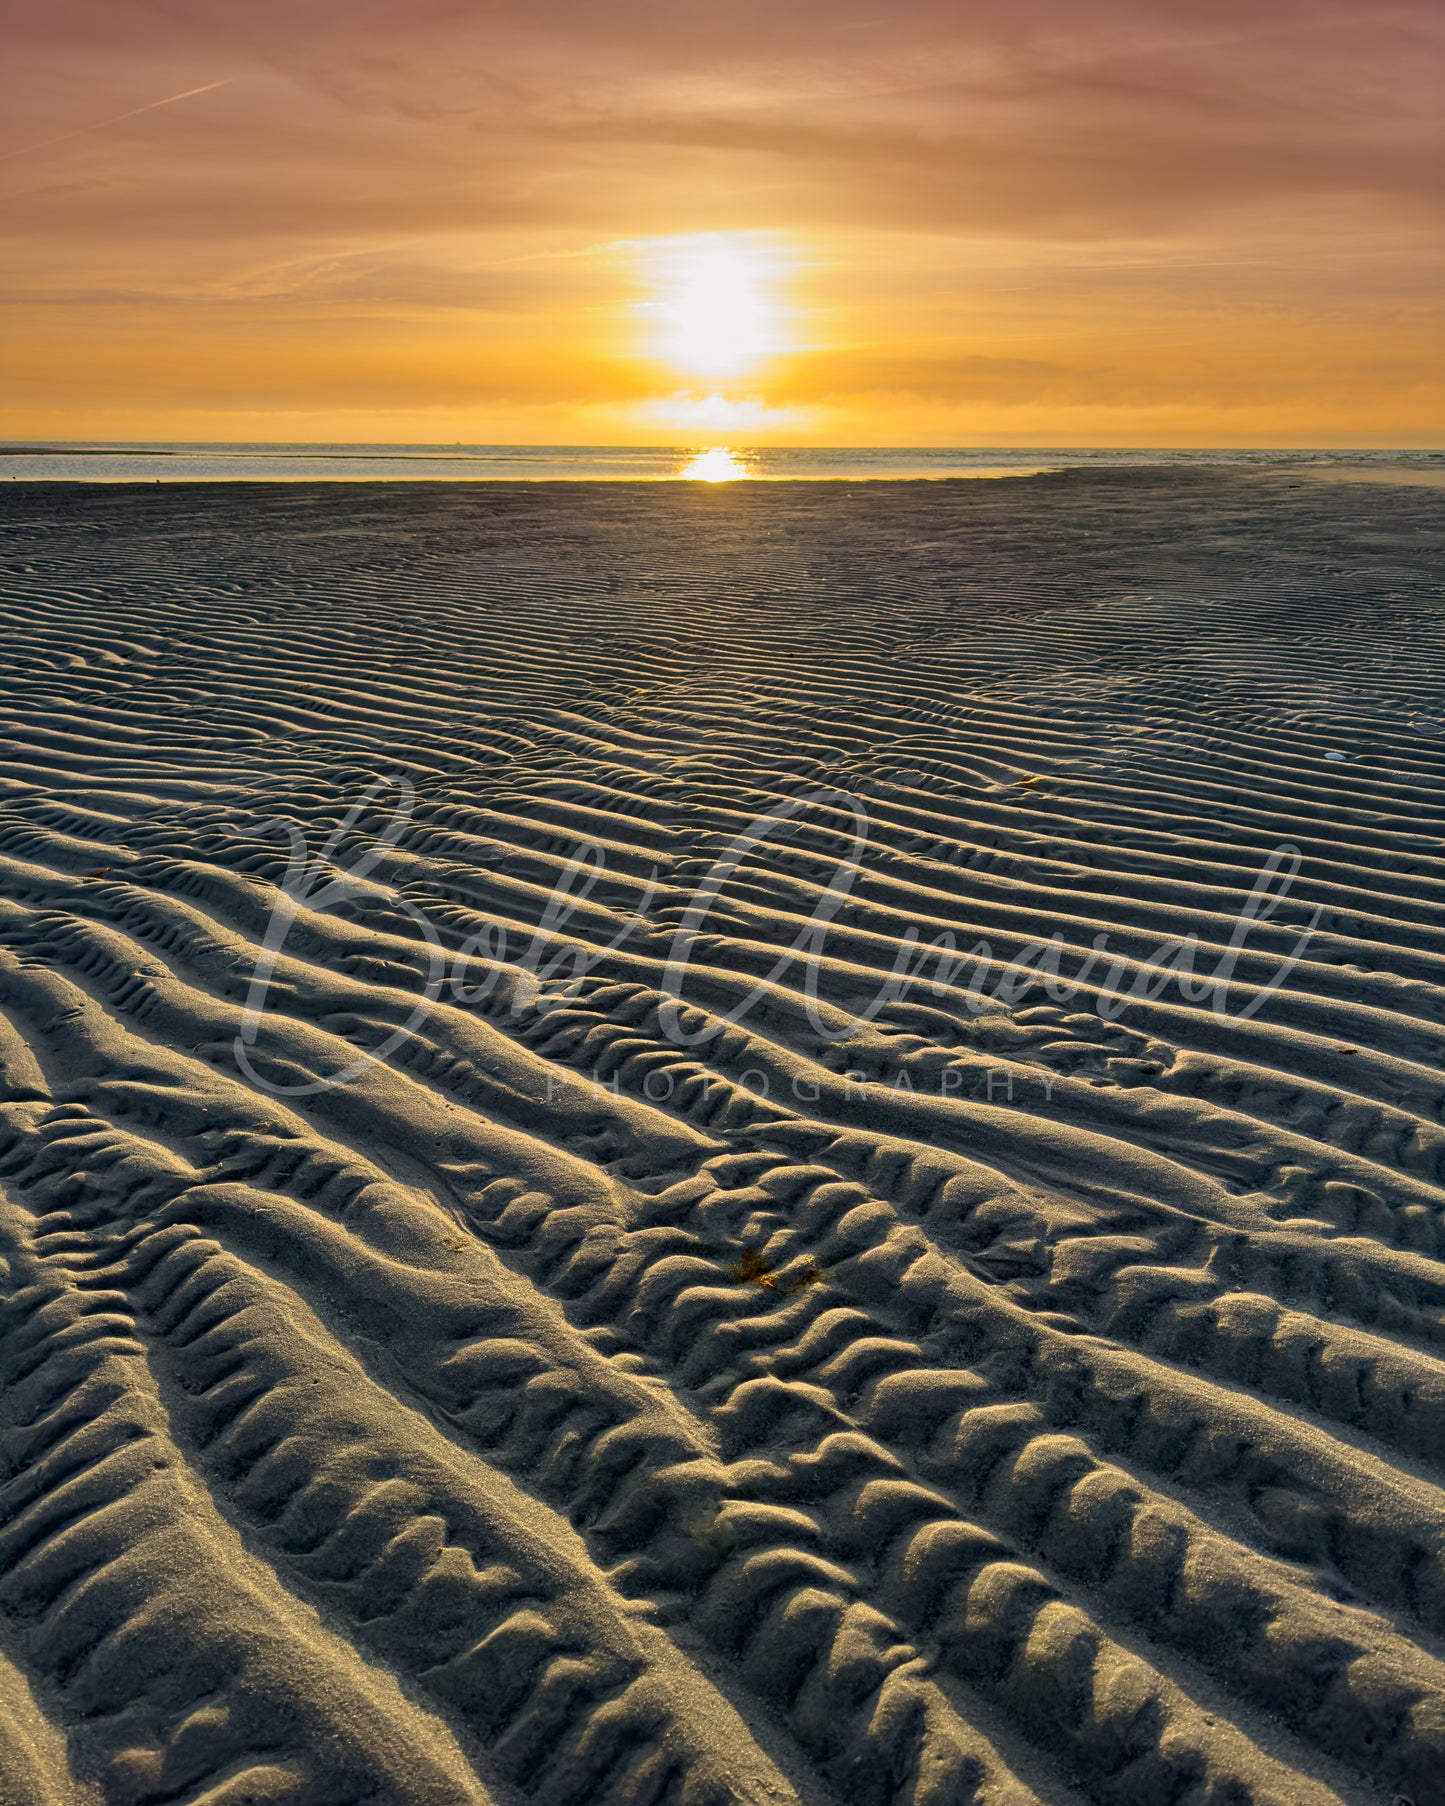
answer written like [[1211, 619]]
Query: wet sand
[[998, 1374]]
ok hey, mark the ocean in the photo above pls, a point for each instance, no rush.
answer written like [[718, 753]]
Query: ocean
[[209, 463]]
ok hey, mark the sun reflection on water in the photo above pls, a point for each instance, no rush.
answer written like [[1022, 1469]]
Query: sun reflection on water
[[718, 464]]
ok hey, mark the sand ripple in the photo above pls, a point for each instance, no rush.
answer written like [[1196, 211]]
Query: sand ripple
[[1043, 1403]]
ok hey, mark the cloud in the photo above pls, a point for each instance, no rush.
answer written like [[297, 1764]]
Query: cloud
[[1087, 115], [1004, 203], [724, 416]]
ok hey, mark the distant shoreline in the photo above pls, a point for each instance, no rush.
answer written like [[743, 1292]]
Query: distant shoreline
[[190, 462]]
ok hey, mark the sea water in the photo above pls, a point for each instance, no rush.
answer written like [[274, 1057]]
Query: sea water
[[210, 463]]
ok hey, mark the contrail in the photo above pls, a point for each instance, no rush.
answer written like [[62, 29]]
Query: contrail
[[101, 124]]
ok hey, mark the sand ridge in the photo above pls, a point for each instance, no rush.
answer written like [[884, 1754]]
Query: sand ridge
[[935, 1391]]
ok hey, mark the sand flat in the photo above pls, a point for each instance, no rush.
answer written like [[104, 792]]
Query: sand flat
[[480, 1325], [1363, 473]]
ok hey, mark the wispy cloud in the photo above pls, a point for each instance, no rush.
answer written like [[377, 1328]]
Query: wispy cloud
[[100, 125], [1117, 205]]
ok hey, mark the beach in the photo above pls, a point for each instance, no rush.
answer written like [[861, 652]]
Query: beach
[[761, 1142]]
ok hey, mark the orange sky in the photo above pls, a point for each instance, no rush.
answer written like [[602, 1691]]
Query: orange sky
[[1042, 222]]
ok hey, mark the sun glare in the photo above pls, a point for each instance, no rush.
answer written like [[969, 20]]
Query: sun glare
[[716, 465], [716, 311]]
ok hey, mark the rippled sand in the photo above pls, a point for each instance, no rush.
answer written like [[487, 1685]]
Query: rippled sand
[[1014, 1400]]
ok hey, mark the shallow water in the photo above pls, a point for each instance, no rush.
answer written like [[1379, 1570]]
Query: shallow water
[[179, 463]]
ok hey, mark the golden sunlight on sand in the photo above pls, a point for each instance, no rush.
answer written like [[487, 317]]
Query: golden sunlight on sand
[[821, 1186]]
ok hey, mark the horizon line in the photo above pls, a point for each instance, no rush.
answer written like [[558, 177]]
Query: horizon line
[[17, 445]]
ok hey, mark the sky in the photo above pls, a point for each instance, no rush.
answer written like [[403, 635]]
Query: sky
[[930, 222]]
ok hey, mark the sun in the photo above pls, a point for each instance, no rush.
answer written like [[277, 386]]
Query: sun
[[716, 311], [718, 464]]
